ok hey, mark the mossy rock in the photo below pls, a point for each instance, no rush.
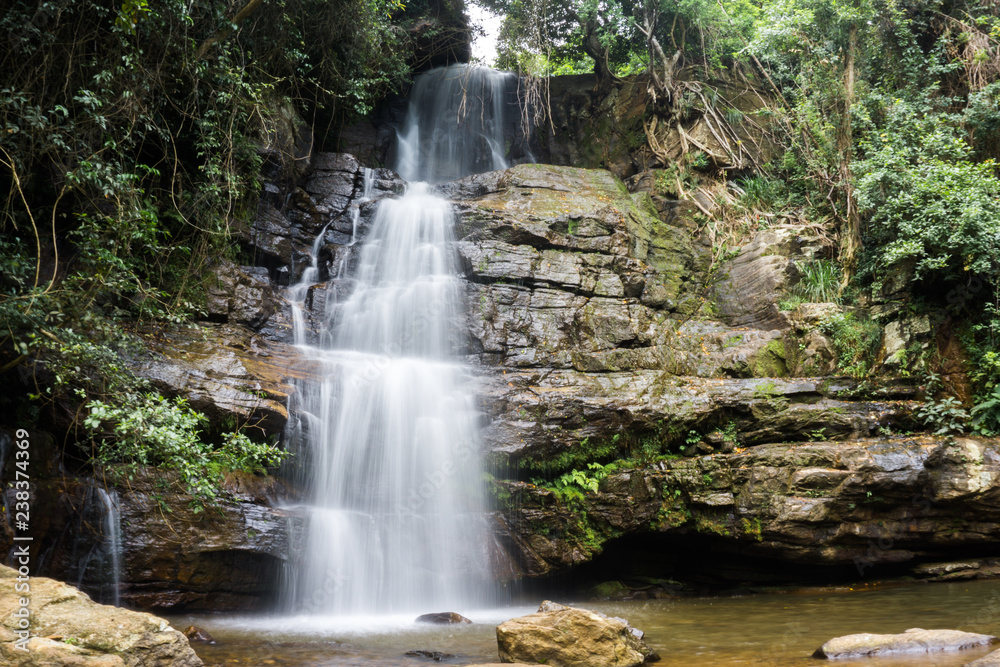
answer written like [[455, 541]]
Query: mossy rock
[[770, 361]]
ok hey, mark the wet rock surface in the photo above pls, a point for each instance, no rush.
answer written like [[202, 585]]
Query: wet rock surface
[[71, 629], [177, 557], [196, 634], [225, 371], [442, 618], [240, 295], [571, 637], [289, 219], [991, 660], [913, 641], [596, 313], [856, 504]]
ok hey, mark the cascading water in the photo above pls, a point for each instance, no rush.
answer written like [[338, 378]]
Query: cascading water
[[397, 522], [455, 124]]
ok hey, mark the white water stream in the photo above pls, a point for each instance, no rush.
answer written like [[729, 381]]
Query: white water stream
[[113, 541], [396, 521]]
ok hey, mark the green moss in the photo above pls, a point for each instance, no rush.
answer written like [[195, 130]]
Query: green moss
[[751, 528], [610, 590], [732, 341], [712, 525], [770, 361]]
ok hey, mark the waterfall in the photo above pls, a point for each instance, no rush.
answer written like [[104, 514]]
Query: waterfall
[[396, 521], [454, 125], [100, 568]]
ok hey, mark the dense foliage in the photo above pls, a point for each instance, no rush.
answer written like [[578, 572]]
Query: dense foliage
[[132, 138]]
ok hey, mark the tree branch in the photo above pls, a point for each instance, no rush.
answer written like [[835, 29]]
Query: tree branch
[[250, 7]]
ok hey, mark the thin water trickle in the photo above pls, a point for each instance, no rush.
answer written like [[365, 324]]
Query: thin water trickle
[[99, 568], [396, 521], [113, 542]]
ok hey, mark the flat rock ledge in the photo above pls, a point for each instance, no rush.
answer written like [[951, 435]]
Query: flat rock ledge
[[569, 637], [990, 660], [913, 641], [68, 628]]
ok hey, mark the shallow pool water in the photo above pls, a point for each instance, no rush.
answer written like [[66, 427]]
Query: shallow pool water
[[780, 629]]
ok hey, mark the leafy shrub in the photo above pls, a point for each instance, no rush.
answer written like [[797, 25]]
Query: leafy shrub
[[946, 416], [856, 342], [151, 431], [929, 204], [986, 414]]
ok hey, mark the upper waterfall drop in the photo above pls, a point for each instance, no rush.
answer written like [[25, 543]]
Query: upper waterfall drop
[[397, 519], [455, 124]]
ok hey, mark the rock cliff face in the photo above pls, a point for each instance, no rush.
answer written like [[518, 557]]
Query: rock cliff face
[[604, 334], [227, 558], [696, 416], [774, 512], [598, 315]]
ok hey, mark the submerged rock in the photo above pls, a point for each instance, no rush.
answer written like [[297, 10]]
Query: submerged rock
[[913, 641], [196, 634], [437, 656], [71, 629], [570, 637], [442, 618]]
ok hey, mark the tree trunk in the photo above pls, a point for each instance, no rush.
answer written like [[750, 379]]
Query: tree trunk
[[592, 47], [850, 236]]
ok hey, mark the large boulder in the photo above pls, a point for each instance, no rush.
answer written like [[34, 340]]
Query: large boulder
[[913, 641], [570, 637], [68, 628], [240, 295]]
